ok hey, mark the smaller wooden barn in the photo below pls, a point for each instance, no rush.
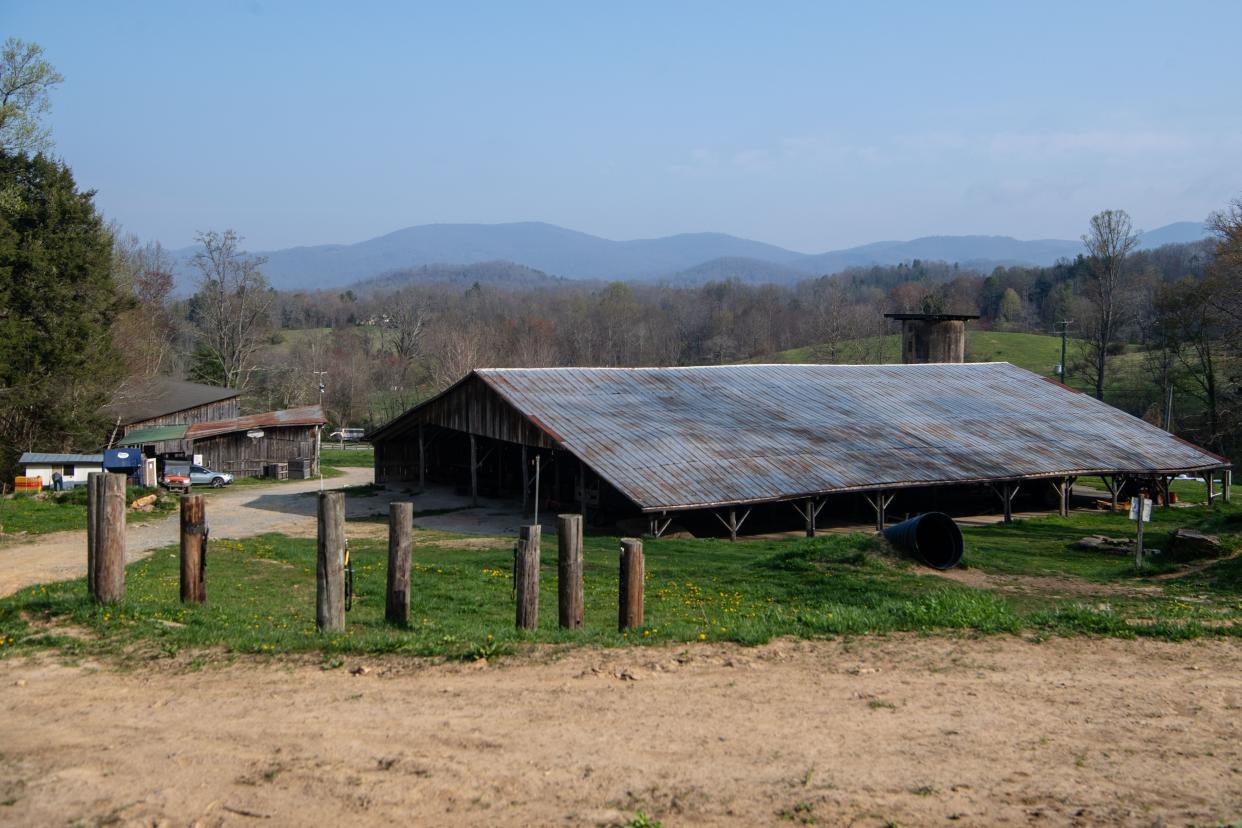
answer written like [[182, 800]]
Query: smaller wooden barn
[[241, 445], [163, 401]]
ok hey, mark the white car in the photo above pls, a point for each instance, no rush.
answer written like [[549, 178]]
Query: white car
[[348, 434]]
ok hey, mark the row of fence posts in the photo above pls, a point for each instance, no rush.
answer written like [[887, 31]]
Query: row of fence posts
[[569, 577], [105, 541], [105, 560]]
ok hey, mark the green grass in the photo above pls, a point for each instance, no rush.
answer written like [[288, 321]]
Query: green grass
[[1039, 353], [332, 455], [23, 514], [262, 595]]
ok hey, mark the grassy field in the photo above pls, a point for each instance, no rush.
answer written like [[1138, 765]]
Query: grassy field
[[355, 455], [262, 594], [1035, 352], [24, 514]]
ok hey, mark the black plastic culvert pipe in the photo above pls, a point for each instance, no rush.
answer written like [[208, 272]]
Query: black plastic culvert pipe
[[932, 538]]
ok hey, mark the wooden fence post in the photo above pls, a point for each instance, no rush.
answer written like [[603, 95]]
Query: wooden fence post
[[330, 564], [526, 577], [569, 570], [630, 604], [94, 506], [110, 539], [194, 549], [400, 527]]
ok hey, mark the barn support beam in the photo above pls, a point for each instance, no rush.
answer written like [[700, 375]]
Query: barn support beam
[[1210, 480], [1114, 484], [525, 484], [1166, 487], [422, 461], [1007, 491], [1226, 478], [582, 492], [880, 502], [658, 524], [732, 524], [809, 511], [474, 471], [1063, 488]]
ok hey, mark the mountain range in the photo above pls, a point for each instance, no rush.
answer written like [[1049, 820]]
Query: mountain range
[[545, 251]]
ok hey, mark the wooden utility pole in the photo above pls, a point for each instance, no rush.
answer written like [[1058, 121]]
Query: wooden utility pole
[[107, 564], [330, 564], [193, 549], [569, 570], [630, 603], [400, 529], [526, 577]]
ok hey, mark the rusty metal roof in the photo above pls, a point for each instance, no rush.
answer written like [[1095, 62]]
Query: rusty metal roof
[[305, 416], [677, 438]]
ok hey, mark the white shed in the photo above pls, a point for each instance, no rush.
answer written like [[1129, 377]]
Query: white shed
[[72, 467]]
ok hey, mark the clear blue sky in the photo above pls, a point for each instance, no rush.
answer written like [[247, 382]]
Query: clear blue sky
[[814, 126]]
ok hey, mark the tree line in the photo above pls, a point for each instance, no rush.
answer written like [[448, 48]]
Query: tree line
[[88, 314]]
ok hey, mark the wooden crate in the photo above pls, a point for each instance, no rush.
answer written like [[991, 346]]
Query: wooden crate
[[277, 471]]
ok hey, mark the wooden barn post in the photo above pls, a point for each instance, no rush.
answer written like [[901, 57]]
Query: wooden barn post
[[526, 577], [110, 540], [422, 461], [474, 471], [630, 599], [400, 528], [330, 564], [569, 570], [193, 549]]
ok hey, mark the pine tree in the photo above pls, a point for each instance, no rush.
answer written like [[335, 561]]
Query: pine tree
[[57, 304]]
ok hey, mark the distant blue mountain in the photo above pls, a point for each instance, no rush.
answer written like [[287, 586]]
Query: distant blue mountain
[[688, 257], [1180, 232]]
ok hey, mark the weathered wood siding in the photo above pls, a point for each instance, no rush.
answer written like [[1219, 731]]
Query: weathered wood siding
[[219, 410], [470, 408], [241, 455]]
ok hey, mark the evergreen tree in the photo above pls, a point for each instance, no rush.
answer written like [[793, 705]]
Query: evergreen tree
[[58, 300]]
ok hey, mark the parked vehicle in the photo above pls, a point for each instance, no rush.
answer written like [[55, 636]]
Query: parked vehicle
[[203, 476], [347, 434], [176, 476]]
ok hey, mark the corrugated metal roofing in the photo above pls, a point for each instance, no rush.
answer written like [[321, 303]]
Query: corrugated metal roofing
[[304, 416], [671, 438], [153, 434], [32, 458]]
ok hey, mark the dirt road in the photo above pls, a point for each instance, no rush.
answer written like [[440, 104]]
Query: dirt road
[[904, 729], [233, 513]]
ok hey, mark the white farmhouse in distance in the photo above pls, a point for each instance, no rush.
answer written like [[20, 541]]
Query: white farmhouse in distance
[[72, 467]]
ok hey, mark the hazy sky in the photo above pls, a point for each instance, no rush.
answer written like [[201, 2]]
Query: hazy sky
[[814, 126]]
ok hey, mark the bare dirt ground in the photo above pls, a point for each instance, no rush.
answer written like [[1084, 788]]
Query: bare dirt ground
[[233, 513], [915, 731]]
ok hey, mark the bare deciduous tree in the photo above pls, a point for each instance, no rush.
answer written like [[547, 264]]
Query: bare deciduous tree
[[1110, 241], [230, 310]]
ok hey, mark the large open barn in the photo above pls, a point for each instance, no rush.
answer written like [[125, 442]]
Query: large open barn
[[763, 447]]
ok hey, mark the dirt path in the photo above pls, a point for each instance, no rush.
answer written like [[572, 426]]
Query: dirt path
[[919, 731], [233, 513]]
